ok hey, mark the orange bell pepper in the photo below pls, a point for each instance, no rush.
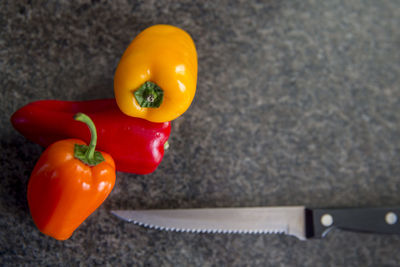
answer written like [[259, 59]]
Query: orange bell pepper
[[157, 74], [68, 183]]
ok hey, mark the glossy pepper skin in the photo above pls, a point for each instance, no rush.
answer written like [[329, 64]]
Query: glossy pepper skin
[[136, 145], [63, 190], [166, 56]]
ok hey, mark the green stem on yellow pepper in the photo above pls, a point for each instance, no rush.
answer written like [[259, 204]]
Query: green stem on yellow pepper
[[149, 95]]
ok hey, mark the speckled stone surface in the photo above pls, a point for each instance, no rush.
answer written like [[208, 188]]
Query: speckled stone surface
[[298, 102]]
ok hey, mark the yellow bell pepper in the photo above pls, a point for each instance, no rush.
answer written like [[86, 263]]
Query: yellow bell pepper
[[157, 74]]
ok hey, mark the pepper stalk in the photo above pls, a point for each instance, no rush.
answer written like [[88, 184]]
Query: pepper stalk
[[88, 154]]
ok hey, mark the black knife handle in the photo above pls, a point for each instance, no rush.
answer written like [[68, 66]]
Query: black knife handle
[[370, 220]]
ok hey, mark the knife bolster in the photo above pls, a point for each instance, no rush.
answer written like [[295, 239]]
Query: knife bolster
[[309, 223]]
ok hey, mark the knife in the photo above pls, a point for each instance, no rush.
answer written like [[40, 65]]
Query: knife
[[299, 221]]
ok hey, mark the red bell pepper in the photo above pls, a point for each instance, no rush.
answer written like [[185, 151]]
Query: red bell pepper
[[137, 145]]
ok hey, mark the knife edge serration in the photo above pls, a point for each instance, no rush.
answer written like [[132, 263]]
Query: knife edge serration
[[210, 231]]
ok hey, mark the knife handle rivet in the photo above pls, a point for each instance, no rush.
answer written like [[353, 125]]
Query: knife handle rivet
[[326, 220], [391, 218]]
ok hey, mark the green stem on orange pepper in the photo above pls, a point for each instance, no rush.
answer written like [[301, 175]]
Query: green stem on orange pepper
[[88, 154]]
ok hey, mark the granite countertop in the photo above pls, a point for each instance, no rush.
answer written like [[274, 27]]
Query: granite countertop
[[298, 103]]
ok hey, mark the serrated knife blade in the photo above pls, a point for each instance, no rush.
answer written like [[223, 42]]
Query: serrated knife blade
[[297, 221]]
